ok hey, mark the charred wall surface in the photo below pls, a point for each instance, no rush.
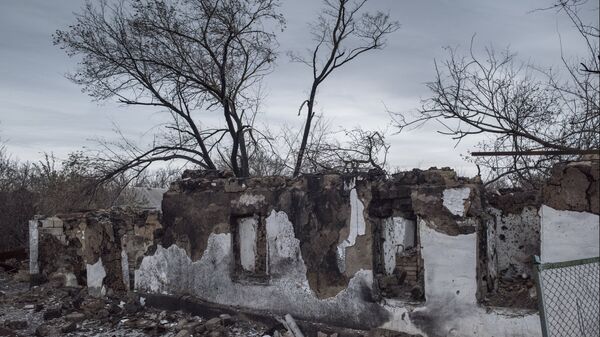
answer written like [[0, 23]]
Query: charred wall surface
[[513, 221], [574, 187], [361, 251], [100, 249], [318, 206], [512, 238]]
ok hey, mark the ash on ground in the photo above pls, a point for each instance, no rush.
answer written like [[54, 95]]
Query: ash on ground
[[49, 310]]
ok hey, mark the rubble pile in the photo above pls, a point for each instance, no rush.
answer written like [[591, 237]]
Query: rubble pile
[[52, 310]]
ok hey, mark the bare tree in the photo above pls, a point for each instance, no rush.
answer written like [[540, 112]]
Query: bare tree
[[355, 150], [330, 150], [190, 58], [520, 107], [342, 32], [588, 31]]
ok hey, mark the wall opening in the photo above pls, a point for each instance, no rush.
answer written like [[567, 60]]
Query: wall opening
[[249, 248], [398, 264]]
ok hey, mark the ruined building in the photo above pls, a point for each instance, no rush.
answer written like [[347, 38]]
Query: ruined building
[[425, 253]]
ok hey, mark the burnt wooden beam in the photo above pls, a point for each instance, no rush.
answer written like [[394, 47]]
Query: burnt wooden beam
[[535, 153]]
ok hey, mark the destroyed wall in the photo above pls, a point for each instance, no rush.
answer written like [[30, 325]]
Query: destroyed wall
[[512, 238], [569, 214], [558, 223], [100, 249], [363, 252], [425, 253]]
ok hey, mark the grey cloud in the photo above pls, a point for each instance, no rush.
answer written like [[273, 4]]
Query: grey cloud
[[42, 111]]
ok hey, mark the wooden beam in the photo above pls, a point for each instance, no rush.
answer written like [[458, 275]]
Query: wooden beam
[[535, 153]]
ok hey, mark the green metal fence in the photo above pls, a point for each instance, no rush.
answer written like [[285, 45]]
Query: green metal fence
[[568, 296]]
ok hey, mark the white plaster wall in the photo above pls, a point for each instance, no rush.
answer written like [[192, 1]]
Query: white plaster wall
[[247, 228], [398, 235], [513, 239], [125, 268], [450, 289], [450, 266], [454, 199], [568, 235], [450, 310], [95, 278], [34, 241], [171, 271], [357, 227], [250, 199]]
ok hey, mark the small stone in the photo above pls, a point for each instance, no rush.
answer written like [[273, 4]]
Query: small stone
[[15, 325], [182, 323], [226, 319], [102, 313], [46, 330], [416, 293], [52, 313], [200, 328], [68, 327], [131, 308], [532, 292], [75, 317], [92, 305], [29, 307], [191, 326], [22, 276], [114, 309], [213, 323], [321, 334], [183, 333], [216, 333]]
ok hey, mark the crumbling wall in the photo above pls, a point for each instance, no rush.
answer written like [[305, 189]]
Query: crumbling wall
[[406, 253], [327, 212], [569, 214], [100, 249], [358, 251], [512, 229], [573, 187], [558, 223]]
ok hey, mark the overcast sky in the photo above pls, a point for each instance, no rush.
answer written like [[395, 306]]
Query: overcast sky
[[42, 111]]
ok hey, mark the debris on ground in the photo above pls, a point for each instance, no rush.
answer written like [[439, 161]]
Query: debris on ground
[[49, 310], [52, 309]]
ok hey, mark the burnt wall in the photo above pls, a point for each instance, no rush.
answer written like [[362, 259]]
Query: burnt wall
[[513, 220], [335, 242], [68, 243], [513, 238], [361, 251], [317, 205], [574, 187]]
